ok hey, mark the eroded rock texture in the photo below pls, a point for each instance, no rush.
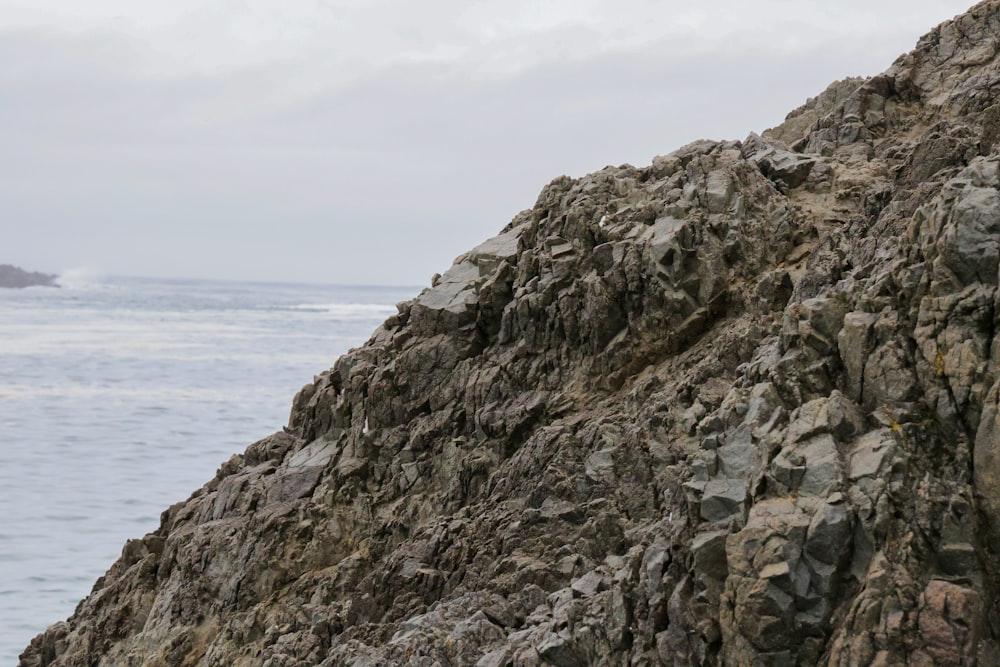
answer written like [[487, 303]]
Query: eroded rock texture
[[738, 407]]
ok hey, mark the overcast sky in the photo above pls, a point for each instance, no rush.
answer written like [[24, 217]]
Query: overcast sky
[[372, 141]]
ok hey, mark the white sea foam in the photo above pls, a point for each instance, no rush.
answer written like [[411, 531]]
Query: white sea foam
[[81, 277], [344, 311]]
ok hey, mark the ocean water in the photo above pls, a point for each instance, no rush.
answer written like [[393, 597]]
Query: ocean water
[[120, 397]]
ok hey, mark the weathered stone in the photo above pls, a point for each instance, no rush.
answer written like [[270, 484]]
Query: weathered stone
[[957, 558], [600, 465], [709, 551], [823, 468], [820, 321], [588, 585], [789, 170], [869, 452], [835, 415], [733, 408], [738, 456], [829, 534], [500, 657], [723, 498], [718, 191], [950, 623], [987, 459], [559, 650], [854, 344], [774, 290]]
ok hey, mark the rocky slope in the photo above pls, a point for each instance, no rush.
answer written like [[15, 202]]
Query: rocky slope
[[738, 407], [12, 276]]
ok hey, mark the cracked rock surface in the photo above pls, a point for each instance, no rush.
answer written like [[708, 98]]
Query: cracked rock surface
[[737, 407]]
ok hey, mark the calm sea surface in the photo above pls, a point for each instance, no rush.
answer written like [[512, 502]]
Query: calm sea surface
[[121, 397]]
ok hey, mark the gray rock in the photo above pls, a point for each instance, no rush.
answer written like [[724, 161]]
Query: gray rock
[[738, 456], [709, 551], [788, 170], [828, 539], [869, 453], [588, 585], [987, 459], [500, 657], [559, 650], [736, 407], [723, 498], [854, 343], [12, 276], [835, 415]]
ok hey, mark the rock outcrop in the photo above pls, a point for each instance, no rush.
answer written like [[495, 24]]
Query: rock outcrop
[[12, 276], [738, 407]]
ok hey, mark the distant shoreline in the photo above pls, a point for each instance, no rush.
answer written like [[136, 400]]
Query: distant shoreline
[[15, 277]]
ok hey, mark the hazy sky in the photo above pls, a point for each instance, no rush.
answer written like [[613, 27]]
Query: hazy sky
[[372, 141]]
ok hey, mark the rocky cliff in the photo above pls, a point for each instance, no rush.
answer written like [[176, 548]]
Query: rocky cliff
[[738, 407], [12, 276]]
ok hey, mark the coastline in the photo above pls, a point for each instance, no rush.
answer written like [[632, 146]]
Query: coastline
[[17, 278]]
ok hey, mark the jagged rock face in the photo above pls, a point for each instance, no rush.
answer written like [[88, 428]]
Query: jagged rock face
[[739, 407]]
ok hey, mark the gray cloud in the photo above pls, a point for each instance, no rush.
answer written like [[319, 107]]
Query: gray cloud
[[383, 174]]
